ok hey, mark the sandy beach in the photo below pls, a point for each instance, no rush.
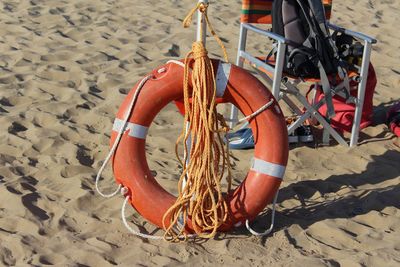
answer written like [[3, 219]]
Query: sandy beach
[[65, 68]]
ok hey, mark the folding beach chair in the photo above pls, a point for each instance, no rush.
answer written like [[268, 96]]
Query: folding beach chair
[[284, 85]]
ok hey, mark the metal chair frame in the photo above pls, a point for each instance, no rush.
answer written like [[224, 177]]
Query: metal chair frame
[[283, 86]]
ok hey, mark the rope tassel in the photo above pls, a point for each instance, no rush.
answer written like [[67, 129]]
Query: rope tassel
[[200, 200]]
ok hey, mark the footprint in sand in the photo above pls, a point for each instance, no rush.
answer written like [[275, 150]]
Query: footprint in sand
[[53, 259], [2, 110], [29, 201], [69, 224], [16, 127], [86, 105], [83, 157], [13, 190], [7, 257], [6, 102]]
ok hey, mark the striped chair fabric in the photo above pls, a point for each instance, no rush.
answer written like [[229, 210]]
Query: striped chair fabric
[[260, 11]]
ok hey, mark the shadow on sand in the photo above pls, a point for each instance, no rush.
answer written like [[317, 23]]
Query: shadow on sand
[[352, 202]]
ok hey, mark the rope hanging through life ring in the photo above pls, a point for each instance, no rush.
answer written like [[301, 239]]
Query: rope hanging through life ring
[[235, 86], [200, 195]]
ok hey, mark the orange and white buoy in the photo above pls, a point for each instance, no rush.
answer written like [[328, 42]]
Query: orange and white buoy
[[234, 85]]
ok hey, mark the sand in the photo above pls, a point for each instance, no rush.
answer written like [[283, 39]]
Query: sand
[[66, 66]]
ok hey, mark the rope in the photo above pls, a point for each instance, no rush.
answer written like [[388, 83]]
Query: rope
[[249, 117], [137, 233], [201, 198], [202, 7], [267, 232], [176, 62], [154, 237], [130, 229], [118, 139], [257, 112], [182, 237]]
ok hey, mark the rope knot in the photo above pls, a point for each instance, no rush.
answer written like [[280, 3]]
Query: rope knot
[[202, 7], [199, 51]]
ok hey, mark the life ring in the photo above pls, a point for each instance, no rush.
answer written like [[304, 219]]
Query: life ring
[[234, 85]]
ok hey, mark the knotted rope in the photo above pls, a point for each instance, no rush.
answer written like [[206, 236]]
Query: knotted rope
[[200, 198], [202, 7]]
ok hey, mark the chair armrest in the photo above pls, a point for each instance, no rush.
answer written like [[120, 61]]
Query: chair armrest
[[269, 34], [357, 35]]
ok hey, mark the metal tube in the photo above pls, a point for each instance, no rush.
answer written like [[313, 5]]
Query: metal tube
[[201, 23], [357, 35], [272, 35], [265, 77], [258, 63], [200, 37], [241, 45], [324, 123], [313, 111], [233, 118], [280, 61], [361, 93]]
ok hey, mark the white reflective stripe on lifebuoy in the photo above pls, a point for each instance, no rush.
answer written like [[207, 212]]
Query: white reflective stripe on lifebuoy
[[223, 72], [268, 168], [135, 130]]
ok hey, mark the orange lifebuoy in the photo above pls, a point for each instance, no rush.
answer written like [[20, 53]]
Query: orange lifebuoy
[[234, 85]]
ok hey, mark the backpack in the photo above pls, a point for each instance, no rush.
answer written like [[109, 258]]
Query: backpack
[[311, 48], [311, 51]]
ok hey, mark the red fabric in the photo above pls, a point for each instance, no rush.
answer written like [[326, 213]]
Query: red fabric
[[394, 120], [343, 120], [395, 128]]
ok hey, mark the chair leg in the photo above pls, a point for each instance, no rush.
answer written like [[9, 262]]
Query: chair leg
[[324, 123], [233, 118], [313, 110], [242, 45], [298, 122], [280, 60], [361, 94], [292, 106], [264, 76], [326, 137]]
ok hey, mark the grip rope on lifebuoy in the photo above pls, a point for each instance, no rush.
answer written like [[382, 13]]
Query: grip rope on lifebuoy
[[124, 191], [249, 198], [271, 227], [118, 139], [201, 207]]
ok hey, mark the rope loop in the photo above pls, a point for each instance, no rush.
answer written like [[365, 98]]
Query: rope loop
[[118, 139], [199, 51], [257, 112], [202, 7], [271, 227]]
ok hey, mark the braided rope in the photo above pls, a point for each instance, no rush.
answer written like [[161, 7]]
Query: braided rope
[[118, 139], [200, 194]]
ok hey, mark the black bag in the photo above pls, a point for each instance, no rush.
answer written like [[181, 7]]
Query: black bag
[[311, 46]]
